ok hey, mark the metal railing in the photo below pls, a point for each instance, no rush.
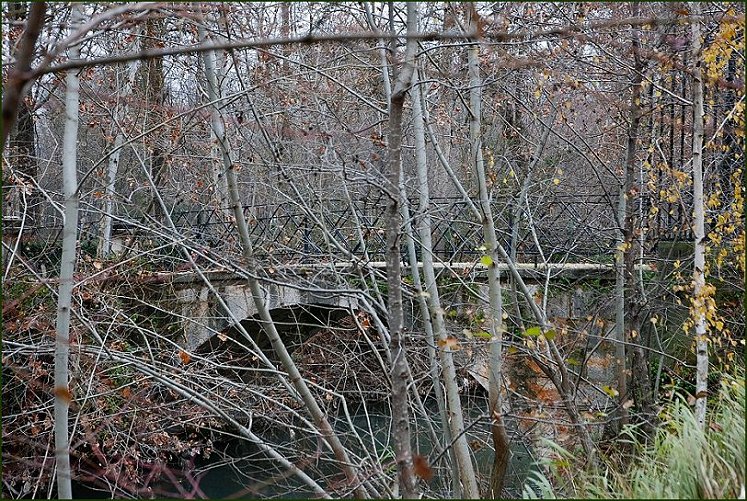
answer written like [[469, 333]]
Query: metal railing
[[557, 227]]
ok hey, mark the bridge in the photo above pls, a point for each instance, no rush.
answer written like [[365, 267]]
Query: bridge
[[309, 256], [299, 246]]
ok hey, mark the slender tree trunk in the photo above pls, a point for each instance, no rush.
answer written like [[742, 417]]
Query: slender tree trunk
[[62, 394], [400, 406], [220, 184], [121, 111], [436, 313], [154, 94], [495, 306], [22, 141], [699, 291], [640, 383], [267, 323], [522, 206], [620, 351]]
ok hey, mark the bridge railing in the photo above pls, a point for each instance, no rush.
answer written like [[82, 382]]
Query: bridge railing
[[562, 228], [556, 227]]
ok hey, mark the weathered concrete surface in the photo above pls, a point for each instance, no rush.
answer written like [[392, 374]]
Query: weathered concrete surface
[[201, 315]]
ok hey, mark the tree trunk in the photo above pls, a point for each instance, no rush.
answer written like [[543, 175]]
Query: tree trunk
[[620, 350], [153, 92], [62, 395], [267, 323], [120, 113], [495, 306], [455, 419], [400, 406], [22, 141], [639, 383], [220, 185], [699, 291]]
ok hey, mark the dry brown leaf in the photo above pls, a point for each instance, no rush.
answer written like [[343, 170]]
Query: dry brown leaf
[[64, 394], [451, 342], [421, 467], [184, 356]]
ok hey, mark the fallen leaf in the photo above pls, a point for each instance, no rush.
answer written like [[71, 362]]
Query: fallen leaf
[[184, 356]]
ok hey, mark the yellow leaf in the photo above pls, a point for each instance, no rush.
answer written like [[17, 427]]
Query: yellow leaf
[[556, 181], [482, 334], [450, 342], [612, 392], [486, 260]]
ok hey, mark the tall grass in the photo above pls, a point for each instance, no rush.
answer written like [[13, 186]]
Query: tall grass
[[682, 461]]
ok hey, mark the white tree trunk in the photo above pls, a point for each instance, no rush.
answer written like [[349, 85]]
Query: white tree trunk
[[62, 394], [121, 111], [495, 306], [699, 289], [220, 184], [455, 415]]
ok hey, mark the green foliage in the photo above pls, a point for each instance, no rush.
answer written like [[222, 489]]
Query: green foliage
[[533, 331], [682, 461]]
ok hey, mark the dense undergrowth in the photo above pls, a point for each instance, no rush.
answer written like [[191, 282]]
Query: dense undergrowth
[[680, 461]]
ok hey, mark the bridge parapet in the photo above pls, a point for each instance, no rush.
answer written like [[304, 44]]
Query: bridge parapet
[[201, 316]]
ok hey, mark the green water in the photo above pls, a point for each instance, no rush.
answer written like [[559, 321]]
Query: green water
[[244, 471]]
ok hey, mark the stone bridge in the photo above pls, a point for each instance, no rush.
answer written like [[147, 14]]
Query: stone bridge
[[200, 316]]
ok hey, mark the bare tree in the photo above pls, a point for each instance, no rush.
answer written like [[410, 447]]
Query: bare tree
[[400, 417], [699, 285], [495, 306], [62, 394], [268, 324]]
